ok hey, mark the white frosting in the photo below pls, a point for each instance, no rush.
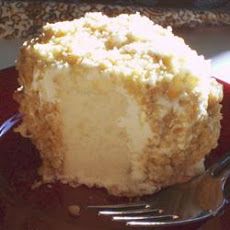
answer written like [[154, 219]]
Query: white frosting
[[43, 82], [166, 105]]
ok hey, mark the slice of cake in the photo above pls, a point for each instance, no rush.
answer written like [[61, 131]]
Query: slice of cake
[[119, 103]]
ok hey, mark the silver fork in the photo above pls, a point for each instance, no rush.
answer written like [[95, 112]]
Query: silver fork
[[9, 123], [203, 197]]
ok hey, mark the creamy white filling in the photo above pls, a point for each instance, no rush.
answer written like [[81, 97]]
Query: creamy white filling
[[103, 127], [134, 122]]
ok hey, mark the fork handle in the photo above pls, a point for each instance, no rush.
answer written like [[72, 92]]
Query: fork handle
[[222, 167]]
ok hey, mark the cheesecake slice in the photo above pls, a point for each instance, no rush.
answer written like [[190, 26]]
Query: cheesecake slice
[[117, 102]]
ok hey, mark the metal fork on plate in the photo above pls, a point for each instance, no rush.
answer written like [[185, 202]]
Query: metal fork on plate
[[203, 197]]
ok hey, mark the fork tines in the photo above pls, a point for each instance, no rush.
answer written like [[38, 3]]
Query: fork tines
[[135, 214], [130, 211], [120, 206]]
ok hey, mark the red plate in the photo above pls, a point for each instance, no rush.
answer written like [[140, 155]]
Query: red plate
[[46, 207]]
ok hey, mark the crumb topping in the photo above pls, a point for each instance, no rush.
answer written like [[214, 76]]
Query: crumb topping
[[131, 46]]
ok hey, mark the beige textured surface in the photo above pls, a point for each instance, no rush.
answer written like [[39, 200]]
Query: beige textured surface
[[169, 82]]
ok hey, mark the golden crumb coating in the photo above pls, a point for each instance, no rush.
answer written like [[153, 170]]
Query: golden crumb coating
[[169, 81]]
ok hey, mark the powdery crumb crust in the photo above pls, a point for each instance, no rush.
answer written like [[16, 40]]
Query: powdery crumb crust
[[169, 80]]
